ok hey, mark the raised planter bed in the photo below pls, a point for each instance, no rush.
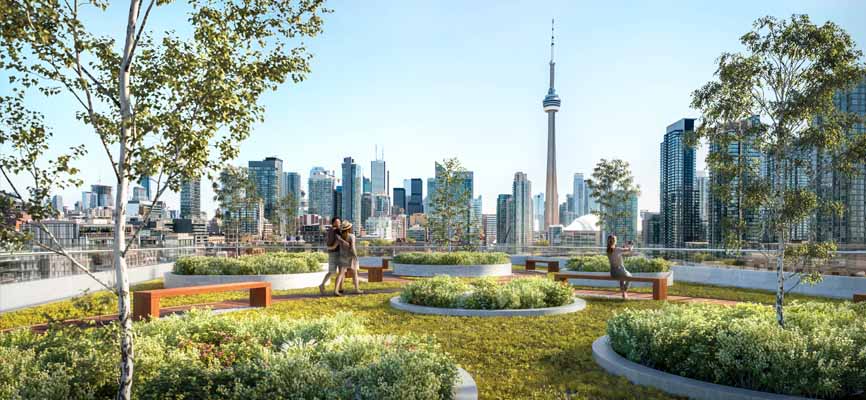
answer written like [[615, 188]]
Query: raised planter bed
[[615, 364], [840, 287], [575, 306], [465, 388], [468, 271], [590, 282], [278, 281]]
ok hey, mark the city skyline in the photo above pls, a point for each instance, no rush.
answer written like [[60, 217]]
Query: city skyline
[[505, 67]]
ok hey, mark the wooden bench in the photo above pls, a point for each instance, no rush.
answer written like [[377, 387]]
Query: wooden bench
[[552, 265], [859, 297], [386, 262], [660, 285], [146, 302], [374, 273]]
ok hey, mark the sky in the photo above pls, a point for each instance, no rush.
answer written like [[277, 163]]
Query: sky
[[426, 81]]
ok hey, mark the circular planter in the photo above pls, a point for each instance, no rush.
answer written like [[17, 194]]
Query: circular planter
[[615, 364], [591, 282], [278, 281], [575, 306], [465, 388], [467, 271]]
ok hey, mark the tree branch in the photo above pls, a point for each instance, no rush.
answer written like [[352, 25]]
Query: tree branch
[[138, 35], [61, 251], [146, 218]]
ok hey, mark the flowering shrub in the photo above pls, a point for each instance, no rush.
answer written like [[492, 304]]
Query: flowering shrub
[[453, 258], [820, 353], [261, 264], [246, 357], [600, 263], [486, 293]]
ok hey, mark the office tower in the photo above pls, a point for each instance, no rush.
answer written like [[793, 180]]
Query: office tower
[[650, 228], [88, 201], [102, 195], [268, 177], [522, 207], [190, 199], [291, 185], [139, 194], [379, 176], [366, 207], [352, 189], [431, 190], [833, 185], [415, 204], [538, 212], [490, 226], [702, 188], [145, 183], [321, 193], [399, 201], [504, 218], [566, 211], [591, 205], [57, 203], [723, 215], [551, 105], [338, 202], [367, 185], [475, 223], [381, 205], [624, 226], [679, 207], [579, 195]]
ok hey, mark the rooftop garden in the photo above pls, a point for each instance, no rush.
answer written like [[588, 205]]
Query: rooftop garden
[[486, 293], [452, 258], [260, 264]]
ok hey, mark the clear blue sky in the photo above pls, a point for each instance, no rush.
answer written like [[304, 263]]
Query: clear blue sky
[[430, 80]]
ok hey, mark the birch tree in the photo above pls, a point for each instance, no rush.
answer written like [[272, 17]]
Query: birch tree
[[449, 220], [612, 186], [162, 105], [787, 78]]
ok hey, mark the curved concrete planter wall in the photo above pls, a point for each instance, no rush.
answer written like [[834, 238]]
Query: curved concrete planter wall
[[465, 389], [638, 374], [278, 281], [591, 282], [468, 271], [576, 306], [840, 287]]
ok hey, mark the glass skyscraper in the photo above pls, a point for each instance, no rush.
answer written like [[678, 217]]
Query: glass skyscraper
[[268, 177], [399, 206], [321, 193], [352, 190], [521, 192], [379, 177], [679, 205], [415, 204], [580, 197], [190, 199], [504, 216]]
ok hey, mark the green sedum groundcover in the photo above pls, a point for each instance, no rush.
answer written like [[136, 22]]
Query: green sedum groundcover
[[486, 293], [247, 356], [600, 263], [820, 353], [260, 264]]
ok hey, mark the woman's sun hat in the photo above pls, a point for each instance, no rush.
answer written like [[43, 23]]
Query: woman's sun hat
[[345, 226]]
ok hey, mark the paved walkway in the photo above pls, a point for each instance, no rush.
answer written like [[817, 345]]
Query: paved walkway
[[388, 277]]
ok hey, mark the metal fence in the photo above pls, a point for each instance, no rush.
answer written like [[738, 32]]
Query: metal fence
[[28, 266]]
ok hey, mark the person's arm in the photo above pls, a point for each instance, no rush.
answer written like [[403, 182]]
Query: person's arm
[[331, 242]]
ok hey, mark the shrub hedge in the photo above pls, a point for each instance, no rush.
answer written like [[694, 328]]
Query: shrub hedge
[[820, 353], [452, 258], [260, 264], [201, 356], [600, 263], [486, 293]]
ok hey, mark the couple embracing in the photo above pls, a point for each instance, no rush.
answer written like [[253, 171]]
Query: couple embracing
[[342, 255]]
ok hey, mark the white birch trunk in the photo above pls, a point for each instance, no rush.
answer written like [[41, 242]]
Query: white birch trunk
[[124, 391]]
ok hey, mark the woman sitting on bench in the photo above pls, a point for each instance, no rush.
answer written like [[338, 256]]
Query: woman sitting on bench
[[617, 269]]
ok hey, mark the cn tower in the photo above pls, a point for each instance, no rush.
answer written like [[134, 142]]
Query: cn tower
[[551, 106]]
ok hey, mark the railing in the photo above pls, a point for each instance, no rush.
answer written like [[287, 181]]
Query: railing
[[28, 266]]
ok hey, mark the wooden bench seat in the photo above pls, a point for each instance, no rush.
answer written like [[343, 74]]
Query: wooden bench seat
[[552, 265], [660, 285], [859, 297], [375, 273], [146, 302]]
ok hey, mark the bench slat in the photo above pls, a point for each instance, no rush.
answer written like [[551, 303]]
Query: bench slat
[[560, 277], [859, 297], [223, 287], [146, 302]]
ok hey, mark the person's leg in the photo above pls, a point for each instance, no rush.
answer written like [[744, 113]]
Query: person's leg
[[356, 281], [324, 282], [339, 285]]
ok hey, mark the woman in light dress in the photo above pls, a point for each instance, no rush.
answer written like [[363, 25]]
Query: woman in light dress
[[617, 269], [348, 258]]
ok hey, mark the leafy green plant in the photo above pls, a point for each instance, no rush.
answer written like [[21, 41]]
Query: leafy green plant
[[600, 263], [486, 293], [260, 264], [452, 258], [819, 353], [248, 357]]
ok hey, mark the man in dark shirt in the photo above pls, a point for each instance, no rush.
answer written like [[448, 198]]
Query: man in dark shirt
[[333, 251]]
